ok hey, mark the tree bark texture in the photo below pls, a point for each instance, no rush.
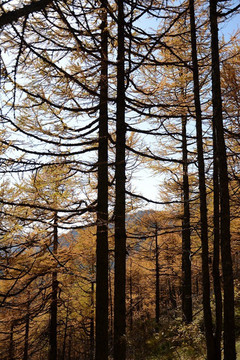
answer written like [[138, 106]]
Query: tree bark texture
[[53, 306], [216, 255], [26, 335], [11, 342], [157, 290], [119, 214], [202, 193], [102, 205], [228, 286], [92, 323]]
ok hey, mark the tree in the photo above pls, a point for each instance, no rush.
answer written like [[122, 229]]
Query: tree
[[8, 17], [202, 190], [221, 158], [102, 201], [104, 95], [119, 211]]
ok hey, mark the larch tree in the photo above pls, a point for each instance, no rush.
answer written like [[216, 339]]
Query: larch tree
[[221, 159], [202, 193], [102, 201], [120, 193]]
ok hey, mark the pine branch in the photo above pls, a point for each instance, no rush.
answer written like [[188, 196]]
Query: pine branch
[[12, 16]]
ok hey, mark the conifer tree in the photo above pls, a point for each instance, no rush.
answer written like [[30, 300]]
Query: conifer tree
[[119, 210], [221, 158], [202, 193], [102, 201]]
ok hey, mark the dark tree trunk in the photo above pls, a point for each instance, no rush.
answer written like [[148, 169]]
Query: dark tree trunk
[[202, 190], [157, 290], [172, 294], [111, 306], [119, 214], [216, 248], [92, 323], [70, 345], [186, 234], [11, 342], [102, 206], [228, 287], [26, 335], [53, 306]]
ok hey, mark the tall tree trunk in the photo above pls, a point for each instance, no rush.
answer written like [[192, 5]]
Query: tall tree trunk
[[157, 290], [111, 306], [102, 206], [216, 248], [11, 342], [186, 234], [228, 286], [53, 306], [92, 323], [202, 190], [26, 335], [120, 231], [70, 345]]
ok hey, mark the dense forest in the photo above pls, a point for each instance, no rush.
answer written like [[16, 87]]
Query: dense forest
[[95, 94]]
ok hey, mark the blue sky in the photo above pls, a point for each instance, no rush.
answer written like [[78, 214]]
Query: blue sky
[[145, 181]]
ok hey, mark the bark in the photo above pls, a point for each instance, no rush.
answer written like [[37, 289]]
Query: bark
[[228, 286], [157, 290], [102, 205], [70, 346], [11, 343], [119, 214], [186, 235], [26, 335], [172, 294], [92, 323], [110, 306], [216, 248], [202, 193], [53, 307]]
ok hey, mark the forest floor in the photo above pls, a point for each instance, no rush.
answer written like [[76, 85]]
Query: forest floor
[[171, 339], [238, 350]]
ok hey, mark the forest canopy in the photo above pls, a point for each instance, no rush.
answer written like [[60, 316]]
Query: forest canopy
[[96, 98]]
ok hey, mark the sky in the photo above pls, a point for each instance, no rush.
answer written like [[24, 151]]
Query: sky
[[147, 183]]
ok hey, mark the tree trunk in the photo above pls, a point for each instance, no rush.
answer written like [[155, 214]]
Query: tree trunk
[[228, 286], [202, 190], [111, 306], [157, 290], [11, 342], [186, 235], [53, 306], [119, 214], [216, 248], [70, 345], [92, 323], [26, 335], [102, 206]]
